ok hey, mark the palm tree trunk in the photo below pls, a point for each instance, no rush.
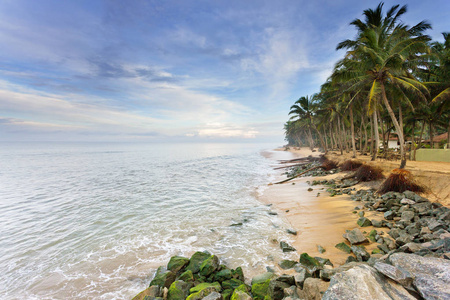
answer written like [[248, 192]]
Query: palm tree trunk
[[339, 136], [396, 125], [352, 128], [325, 137], [382, 133], [376, 135], [361, 135], [419, 143], [311, 141], [366, 142]]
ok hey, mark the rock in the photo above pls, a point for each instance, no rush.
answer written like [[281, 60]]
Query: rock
[[223, 275], [343, 247], [310, 189], [196, 261], [361, 253], [377, 223], [291, 231], [399, 275], [176, 263], [260, 285], [411, 247], [286, 247], [288, 279], [355, 236], [300, 277], [431, 275], [407, 215], [226, 294], [213, 296], [153, 291], [435, 225], [311, 264], [232, 283], [321, 249], [351, 259], [178, 290], [372, 235], [240, 295], [363, 282], [276, 289], [406, 201], [313, 289], [326, 274], [163, 278], [361, 214], [389, 215], [209, 265], [287, 264], [205, 285], [201, 294], [186, 276], [238, 274], [410, 195]]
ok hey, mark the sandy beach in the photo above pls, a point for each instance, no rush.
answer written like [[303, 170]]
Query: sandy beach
[[321, 219]]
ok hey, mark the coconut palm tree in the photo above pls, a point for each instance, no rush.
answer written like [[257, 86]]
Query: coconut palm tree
[[383, 57]]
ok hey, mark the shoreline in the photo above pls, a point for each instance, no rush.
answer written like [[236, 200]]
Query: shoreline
[[387, 244]]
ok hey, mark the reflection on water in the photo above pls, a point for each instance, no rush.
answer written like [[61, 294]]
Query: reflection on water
[[94, 221]]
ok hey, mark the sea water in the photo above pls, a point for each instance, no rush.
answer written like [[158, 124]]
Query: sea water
[[94, 221]]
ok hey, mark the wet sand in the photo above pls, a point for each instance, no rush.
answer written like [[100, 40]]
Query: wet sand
[[319, 219]]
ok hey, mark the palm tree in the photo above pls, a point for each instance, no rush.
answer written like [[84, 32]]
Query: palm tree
[[383, 57]]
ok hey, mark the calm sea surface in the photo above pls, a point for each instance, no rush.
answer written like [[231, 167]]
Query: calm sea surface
[[85, 221]]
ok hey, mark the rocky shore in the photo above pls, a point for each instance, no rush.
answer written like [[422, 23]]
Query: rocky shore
[[399, 248]]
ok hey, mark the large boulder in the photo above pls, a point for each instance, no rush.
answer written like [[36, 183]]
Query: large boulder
[[260, 285], [163, 278], [178, 290], [355, 236], [364, 282], [151, 292], [201, 294], [312, 265], [223, 275], [431, 275], [209, 265], [204, 285], [196, 261], [313, 289], [177, 263]]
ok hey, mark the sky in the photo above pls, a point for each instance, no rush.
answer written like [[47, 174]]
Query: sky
[[143, 70]]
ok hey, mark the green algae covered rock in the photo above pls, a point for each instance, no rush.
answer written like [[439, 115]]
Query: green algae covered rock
[[209, 265], [196, 261], [224, 274], [238, 274], [372, 235], [260, 285], [226, 294], [163, 278], [233, 283], [311, 264], [187, 276], [364, 222], [205, 285], [153, 292], [178, 290], [201, 294], [240, 295], [343, 247], [177, 263], [287, 264]]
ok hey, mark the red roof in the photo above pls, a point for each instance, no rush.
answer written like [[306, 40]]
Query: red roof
[[439, 138]]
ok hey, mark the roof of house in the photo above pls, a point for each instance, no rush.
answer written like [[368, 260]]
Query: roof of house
[[438, 138]]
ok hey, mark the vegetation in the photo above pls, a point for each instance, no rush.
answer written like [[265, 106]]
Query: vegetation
[[393, 82]]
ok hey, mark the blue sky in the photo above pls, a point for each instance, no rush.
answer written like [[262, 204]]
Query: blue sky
[[170, 70]]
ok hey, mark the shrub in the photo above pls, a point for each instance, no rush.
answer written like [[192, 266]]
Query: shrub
[[350, 165], [400, 180]]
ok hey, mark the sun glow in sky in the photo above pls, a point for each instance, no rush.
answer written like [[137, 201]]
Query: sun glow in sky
[[170, 70]]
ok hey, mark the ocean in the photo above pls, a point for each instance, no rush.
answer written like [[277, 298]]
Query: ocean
[[95, 220]]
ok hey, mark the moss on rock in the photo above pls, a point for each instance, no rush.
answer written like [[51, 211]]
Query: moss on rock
[[177, 263], [209, 265], [196, 261]]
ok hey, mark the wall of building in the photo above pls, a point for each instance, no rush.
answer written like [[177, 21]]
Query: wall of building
[[433, 155]]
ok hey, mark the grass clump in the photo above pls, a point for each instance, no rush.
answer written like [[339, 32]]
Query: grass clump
[[368, 173], [350, 165], [400, 180]]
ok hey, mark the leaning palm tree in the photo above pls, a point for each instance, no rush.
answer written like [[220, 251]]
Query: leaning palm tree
[[302, 111], [383, 57]]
